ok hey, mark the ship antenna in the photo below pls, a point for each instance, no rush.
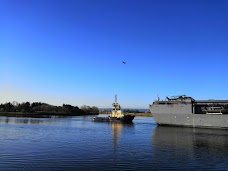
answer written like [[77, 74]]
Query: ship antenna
[[158, 97], [116, 98]]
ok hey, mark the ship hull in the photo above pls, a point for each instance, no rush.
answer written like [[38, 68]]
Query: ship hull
[[124, 119], [185, 111], [101, 119], [192, 120]]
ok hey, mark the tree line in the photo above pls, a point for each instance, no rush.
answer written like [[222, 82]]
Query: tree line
[[38, 107]]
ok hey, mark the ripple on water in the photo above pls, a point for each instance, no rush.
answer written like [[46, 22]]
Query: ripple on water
[[79, 144]]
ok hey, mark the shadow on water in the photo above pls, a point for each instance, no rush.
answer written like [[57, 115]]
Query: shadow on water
[[205, 148]]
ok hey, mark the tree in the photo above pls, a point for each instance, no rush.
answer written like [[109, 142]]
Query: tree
[[25, 107], [68, 108], [85, 108], [8, 107], [94, 109]]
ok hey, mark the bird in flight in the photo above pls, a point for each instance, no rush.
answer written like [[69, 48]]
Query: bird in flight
[[123, 62]]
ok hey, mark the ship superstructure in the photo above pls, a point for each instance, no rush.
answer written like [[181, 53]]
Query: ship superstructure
[[116, 109]]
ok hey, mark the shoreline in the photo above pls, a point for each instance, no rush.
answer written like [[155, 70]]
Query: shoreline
[[43, 114], [136, 114], [49, 115], [144, 114]]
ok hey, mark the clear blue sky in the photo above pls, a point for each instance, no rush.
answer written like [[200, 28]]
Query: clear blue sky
[[71, 51]]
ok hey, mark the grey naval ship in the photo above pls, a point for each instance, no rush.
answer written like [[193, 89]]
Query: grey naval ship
[[186, 111], [116, 115]]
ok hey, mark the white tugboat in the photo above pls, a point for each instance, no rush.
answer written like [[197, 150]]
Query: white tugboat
[[117, 115]]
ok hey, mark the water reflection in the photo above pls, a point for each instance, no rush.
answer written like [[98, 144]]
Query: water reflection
[[190, 145], [116, 132], [15, 120], [117, 129], [190, 137], [80, 144]]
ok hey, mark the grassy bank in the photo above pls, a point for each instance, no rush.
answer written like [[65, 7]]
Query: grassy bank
[[143, 114]]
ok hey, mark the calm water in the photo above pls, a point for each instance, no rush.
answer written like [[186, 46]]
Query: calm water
[[79, 144]]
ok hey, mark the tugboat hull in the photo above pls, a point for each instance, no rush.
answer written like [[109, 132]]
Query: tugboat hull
[[125, 119], [101, 119]]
